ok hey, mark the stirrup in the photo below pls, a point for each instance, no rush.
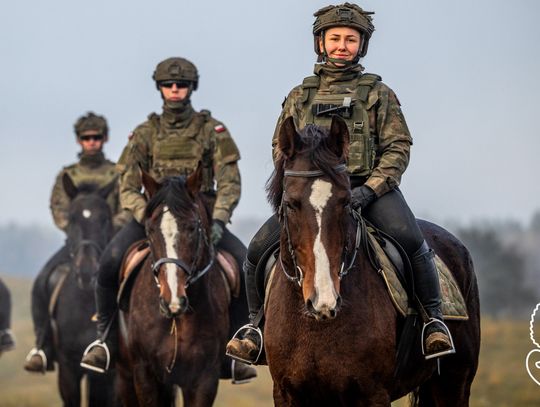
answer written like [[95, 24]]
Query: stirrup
[[38, 352], [99, 344], [447, 332], [248, 327]]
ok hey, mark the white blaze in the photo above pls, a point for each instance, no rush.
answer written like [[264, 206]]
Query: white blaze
[[86, 213], [321, 191], [169, 230]]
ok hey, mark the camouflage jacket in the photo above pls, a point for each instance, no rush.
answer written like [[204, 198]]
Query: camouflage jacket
[[90, 169], [165, 149], [379, 151]]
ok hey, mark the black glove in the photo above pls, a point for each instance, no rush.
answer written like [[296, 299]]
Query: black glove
[[362, 196], [218, 227]]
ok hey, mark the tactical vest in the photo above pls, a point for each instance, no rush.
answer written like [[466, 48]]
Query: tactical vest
[[351, 104], [100, 176], [178, 151]]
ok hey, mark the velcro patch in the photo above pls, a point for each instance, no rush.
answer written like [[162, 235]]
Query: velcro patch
[[219, 128]]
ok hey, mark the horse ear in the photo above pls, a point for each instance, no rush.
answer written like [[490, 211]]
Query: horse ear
[[288, 139], [107, 189], [151, 186], [69, 186], [194, 180], [338, 141]]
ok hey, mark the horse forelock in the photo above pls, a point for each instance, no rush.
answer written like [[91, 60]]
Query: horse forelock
[[313, 146], [174, 195]]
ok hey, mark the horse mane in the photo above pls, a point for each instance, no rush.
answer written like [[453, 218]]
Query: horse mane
[[174, 194], [313, 141]]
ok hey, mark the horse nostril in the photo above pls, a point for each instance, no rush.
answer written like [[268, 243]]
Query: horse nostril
[[338, 302], [333, 313], [310, 307]]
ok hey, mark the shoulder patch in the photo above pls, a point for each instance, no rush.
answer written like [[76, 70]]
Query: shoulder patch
[[219, 128]]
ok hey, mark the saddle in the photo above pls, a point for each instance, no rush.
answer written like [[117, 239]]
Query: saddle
[[139, 251], [392, 266]]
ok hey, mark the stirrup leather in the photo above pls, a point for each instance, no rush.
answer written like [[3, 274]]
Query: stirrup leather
[[447, 332], [38, 352], [248, 327], [99, 344]]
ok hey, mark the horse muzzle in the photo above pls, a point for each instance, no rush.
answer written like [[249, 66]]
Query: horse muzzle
[[323, 311], [176, 307]]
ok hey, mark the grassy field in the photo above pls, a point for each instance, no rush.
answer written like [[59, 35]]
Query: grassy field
[[501, 380]]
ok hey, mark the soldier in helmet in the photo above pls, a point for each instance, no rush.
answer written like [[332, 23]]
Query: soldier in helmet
[[378, 155], [170, 144], [91, 133]]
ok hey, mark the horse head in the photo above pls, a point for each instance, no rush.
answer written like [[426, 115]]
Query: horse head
[[310, 191], [178, 228], [90, 227]]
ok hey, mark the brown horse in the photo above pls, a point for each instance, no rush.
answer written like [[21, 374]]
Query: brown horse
[[331, 329], [175, 330]]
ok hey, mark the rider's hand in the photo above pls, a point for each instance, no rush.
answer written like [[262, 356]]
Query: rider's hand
[[362, 196], [218, 227]]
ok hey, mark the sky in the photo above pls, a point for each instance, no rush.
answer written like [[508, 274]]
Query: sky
[[465, 72]]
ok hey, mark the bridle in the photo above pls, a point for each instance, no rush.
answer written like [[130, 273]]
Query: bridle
[[83, 243], [282, 212], [192, 273]]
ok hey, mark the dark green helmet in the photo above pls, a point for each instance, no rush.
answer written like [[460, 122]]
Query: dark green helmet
[[176, 69], [343, 15], [91, 121]]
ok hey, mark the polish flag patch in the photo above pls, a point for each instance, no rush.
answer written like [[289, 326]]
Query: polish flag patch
[[219, 128]]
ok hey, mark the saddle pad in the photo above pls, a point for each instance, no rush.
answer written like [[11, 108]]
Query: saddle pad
[[231, 271], [453, 305]]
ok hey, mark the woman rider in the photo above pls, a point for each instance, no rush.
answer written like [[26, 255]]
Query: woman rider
[[165, 145], [378, 155]]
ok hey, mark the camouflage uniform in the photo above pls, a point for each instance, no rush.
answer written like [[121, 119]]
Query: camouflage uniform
[[381, 155], [165, 149], [95, 169]]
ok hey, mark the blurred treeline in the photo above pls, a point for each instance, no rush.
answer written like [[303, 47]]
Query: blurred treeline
[[506, 256]]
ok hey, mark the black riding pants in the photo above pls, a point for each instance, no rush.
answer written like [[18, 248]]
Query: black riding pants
[[390, 213], [42, 288], [5, 307]]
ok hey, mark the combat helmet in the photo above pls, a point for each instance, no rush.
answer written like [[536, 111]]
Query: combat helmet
[[91, 121], [343, 15], [176, 69]]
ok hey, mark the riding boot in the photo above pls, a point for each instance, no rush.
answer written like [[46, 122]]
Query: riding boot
[[246, 344], [436, 337], [40, 359], [7, 340], [100, 354]]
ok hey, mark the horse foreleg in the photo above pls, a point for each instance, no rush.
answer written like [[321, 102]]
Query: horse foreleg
[[203, 393], [69, 383], [150, 392]]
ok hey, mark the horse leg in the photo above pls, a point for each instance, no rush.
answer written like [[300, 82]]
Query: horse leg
[[126, 388], [101, 390], [203, 393], [150, 392], [69, 383]]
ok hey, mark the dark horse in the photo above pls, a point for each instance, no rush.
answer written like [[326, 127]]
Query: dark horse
[[175, 330], [90, 229], [331, 338]]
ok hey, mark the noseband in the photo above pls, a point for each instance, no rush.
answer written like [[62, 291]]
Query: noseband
[[298, 273], [193, 275]]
